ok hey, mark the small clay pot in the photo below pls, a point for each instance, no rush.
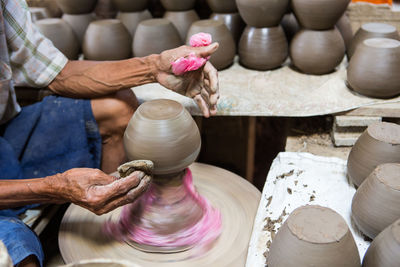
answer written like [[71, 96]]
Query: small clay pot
[[314, 236], [317, 52], [372, 30], [107, 40], [376, 203], [225, 54], [132, 19], [77, 6], [61, 34], [178, 5], [79, 24], [182, 20], [153, 36], [344, 26], [38, 13], [263, 48], [371, 69], [130, 5], [385, 249], [290, 25], [164, 132], [379, 144], [262, 13], [234, 23], [319, 14], [222, 6]]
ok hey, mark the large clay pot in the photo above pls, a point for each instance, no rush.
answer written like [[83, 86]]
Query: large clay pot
[[372, 30], [290, 25], [107, 40], [130, 5], [132, 19], [182, 20], [222, 6], [314, 236], [317, 52], [262, 13], [153, 36], [76, 6], [372, 67], [376, 203], [79, 24], [233, 21], [319, 14], [61, 34], [344, 26], [379, 144], [178, 5], [263, 48], [225, 54]]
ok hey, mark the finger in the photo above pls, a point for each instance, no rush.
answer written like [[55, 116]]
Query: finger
[[123, 185], [205, 96], [206, 51], [202, 105], [211, 74]]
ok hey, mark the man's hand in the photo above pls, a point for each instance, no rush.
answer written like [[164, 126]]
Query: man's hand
[[201, 85]]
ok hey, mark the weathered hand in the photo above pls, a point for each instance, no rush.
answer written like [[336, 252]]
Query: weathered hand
[[201, 85]]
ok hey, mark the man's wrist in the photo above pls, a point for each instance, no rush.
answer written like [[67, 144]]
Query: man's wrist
[[50, 186], [152, 62]]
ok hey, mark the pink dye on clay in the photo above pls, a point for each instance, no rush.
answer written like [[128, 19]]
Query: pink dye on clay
[[200, 39], [205, 231]]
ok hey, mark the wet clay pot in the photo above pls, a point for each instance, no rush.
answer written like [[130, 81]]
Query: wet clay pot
[[61, 34], [319, 14], [178, 5], [317, 52], [76, 6], [376, 203], [233, 21], [372, 30], [79, 24], [371, 69], [385, 249], [225, 54], [263, 48], [107, 40], [380, 143], [222, 6], [262, 13], [344, 26], [130, 5], [314, 236], [105, 9], [154, 36], [290, 26], [132, 19], [182, 21]]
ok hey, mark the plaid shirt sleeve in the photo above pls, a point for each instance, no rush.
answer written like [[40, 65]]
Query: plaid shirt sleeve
[[35, 62]]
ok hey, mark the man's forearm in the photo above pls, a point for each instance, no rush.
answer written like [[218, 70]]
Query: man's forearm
[[87, 79]]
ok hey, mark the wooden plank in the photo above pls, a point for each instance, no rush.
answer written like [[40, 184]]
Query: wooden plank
[[390, 110], [355, 121]]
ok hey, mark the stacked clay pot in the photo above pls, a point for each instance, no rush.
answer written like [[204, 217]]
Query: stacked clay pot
[[131, 13], [319, 47], [263, 45]]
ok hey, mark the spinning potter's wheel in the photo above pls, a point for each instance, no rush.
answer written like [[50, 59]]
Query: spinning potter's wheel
[[81, 235]]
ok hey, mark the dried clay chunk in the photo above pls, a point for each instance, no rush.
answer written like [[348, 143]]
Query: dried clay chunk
[[128, 168]]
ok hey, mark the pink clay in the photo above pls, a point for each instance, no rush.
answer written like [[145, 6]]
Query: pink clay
[[200, 39], [185, 64]]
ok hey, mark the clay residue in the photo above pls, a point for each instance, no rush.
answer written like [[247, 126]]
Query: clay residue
[[269, 201], [270, 225], [386, 132], [312, 198], [284, 175], [289, 190]]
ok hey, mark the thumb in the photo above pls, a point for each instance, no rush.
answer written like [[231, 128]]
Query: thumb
[[206, 51]]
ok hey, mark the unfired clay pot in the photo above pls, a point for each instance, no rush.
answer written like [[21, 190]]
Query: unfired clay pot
[[380, 143], [263, 48], [154, 36], [319, 14], [132, 19], [373, 68], [79, 24], [262, 13], [178, 5], [107, 40], [233, 21], [61, 34], [130, 5], [317, 52], [376, 204], [222, 6], [385, 249], [105, 9], [76, 6], [344, 26], [225, 54], [290, 26], [372, 30], [182, 21], [314, 236]]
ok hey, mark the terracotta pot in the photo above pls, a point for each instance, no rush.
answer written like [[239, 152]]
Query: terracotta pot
[[319, 14], [290, 26], [372, 30], [164, 132], [385, 249], [380, 143], [344, 26], [38, 13], [376, 203], [61, 34], [130, 5], [132, 19], [262, 13], [222, 6], [372, 67], [107, 40], [178, 5], [79, 24], [314, 236], [182, 20], [263, 48], [76, 6], [154, 36], [225, 54], [234, 23]]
